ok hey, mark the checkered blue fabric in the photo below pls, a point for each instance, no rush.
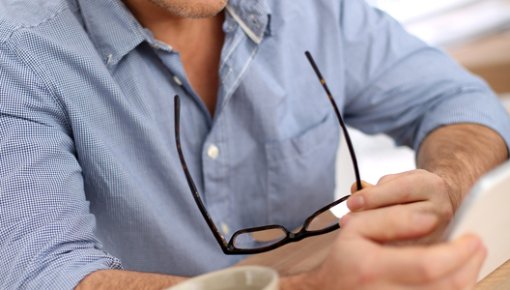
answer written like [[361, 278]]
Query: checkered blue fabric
[[89, 174]]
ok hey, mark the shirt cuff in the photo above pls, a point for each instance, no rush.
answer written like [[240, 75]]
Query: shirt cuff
[[483, 108]]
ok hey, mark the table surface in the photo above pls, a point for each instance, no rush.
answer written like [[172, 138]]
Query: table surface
[[309, 253]]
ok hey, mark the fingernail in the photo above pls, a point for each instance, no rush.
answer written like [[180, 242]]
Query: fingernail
[[356, 202]]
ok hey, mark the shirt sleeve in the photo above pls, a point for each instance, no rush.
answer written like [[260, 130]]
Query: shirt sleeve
[[46, 230], [398, 85]]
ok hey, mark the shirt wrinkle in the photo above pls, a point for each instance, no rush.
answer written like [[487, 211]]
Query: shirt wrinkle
[[45, 81]]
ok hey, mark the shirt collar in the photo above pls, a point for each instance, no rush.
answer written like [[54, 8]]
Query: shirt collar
[[253, 16], [115, 31], [112, 28]]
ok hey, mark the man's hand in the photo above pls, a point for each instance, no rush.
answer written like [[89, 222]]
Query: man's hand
[[419, 190], [452, 157], [360, 259]]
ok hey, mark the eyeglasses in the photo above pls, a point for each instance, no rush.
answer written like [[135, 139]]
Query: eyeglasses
[[265, 238]]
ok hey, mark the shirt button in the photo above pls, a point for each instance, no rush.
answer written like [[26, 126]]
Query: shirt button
[[213, 151], [225, 229], [230, 27], [109, 59], [177, 80]]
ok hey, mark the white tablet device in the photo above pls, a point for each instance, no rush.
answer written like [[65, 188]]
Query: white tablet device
[[486, 212]]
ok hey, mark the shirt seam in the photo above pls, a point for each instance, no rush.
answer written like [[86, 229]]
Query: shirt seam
[[17, 28]]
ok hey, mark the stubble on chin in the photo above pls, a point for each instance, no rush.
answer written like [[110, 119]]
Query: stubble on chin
[[192, 8]]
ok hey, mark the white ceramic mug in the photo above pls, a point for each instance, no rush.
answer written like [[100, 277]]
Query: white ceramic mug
[[235, 278]]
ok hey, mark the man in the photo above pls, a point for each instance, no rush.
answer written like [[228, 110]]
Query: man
[[92, 193]]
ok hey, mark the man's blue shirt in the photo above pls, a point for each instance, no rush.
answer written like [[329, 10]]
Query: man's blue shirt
[[89, 174]]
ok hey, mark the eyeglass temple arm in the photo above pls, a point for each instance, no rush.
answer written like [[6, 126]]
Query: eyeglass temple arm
[[191, 183], [340, 119]]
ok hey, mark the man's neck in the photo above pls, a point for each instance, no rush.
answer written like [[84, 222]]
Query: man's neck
[[198, 40], [179, 32]]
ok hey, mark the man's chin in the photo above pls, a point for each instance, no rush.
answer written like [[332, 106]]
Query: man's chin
[[192, 8]]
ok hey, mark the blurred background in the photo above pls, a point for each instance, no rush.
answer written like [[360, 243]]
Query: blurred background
[[474, 32]]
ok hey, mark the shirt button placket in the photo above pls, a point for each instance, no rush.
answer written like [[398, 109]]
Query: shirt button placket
[[217, 202]]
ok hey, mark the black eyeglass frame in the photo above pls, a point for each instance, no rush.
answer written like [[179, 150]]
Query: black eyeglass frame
[[228, 247]]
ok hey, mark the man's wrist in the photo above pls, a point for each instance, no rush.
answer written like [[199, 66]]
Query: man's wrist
[[455, 188], [459, 155]]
